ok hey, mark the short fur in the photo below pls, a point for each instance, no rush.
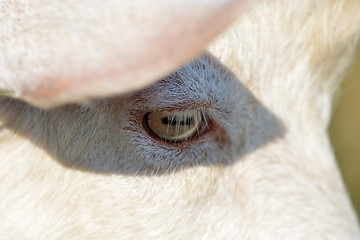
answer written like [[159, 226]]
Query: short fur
[[263, 170]]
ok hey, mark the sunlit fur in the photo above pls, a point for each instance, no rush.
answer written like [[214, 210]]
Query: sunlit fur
[[263, 170]]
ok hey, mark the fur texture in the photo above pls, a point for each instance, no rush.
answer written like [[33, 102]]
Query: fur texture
[[264, 169]]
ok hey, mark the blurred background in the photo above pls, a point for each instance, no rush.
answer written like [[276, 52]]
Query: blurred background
[[345, 130]]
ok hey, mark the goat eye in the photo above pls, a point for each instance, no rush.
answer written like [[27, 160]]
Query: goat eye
[[174, 126]]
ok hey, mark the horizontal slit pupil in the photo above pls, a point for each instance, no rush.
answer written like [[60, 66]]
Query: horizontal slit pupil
[[176, 122]]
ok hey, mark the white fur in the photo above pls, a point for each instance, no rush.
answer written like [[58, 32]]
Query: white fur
[[265, 170]]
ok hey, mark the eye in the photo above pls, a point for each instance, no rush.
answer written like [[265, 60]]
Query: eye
[[175, 126]]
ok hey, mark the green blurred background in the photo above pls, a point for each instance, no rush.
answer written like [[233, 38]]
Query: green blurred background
[[345, 130]]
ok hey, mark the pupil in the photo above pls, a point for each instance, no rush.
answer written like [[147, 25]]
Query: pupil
[[176, 122]]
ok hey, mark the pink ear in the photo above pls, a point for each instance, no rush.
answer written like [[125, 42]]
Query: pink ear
[[68, 51]]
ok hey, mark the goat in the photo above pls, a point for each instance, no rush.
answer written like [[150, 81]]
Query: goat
[[109, 131]]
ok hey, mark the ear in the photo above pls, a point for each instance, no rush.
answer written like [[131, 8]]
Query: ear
[[69, 51]]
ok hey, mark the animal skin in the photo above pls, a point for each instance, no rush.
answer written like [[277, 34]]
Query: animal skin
[[92, 167]]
